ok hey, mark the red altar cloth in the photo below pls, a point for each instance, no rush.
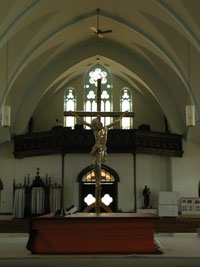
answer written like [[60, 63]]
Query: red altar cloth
[[82, 233]]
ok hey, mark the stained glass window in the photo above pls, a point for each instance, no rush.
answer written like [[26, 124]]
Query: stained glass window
[[95, 73], [105, 177], [69, 104], [126, 104]]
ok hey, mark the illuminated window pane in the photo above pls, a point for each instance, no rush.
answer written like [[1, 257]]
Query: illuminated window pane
[[95, 73], [89, 199], [107, 199], [107, 105], [104, 95], [126, 105], [91, 95], [126, 123], [70, 121], [69, 104], [105, 177], [88, 120], [88, 106], [102, 105], [94, 106], [108, 120]]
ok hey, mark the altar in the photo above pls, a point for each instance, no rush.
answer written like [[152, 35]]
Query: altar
[[89, 233]]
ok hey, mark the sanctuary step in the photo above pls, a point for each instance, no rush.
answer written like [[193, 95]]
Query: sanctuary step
[[14, 226], [191, 221], [160, 225], [173, 225]]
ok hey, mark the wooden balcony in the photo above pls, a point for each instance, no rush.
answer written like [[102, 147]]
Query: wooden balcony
[[62, 140]]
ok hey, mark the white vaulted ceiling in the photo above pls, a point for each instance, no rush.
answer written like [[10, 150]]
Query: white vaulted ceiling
[[49, 42]]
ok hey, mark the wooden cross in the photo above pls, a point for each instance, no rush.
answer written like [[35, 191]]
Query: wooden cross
[[98, 112], [99, 149]]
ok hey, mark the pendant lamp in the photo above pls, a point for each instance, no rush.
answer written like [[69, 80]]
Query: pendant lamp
[[190, 109], [6, 109]]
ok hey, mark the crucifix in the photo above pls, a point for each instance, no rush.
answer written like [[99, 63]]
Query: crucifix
[[99, 150]]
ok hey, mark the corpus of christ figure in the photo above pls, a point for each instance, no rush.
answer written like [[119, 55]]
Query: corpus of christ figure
[[99, 150]]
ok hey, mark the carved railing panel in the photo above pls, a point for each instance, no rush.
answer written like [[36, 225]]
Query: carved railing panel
[[63, 140]]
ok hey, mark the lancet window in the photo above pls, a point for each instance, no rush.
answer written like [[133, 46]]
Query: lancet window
[[69, 104], [95, 73], [126, 104]]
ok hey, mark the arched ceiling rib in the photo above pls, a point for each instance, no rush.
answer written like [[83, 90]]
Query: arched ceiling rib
[[191, 35], [15, 17], [71, 60], [149, 40], [38, 46], [79, 20]]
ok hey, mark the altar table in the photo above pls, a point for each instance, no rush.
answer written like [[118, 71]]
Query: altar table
[[89, 233]]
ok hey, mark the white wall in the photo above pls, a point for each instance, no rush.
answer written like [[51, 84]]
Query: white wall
[[147, 111], [52, 106], [11, 168], [186, 171], [158, 172], [155, 172], [6, 175], [50, 165], [74, 164], [121, 163]]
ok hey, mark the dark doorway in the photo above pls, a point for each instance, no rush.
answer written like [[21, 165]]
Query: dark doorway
[[109, 192]]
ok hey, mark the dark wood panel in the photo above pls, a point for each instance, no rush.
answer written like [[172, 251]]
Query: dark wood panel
[[62, 140]]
